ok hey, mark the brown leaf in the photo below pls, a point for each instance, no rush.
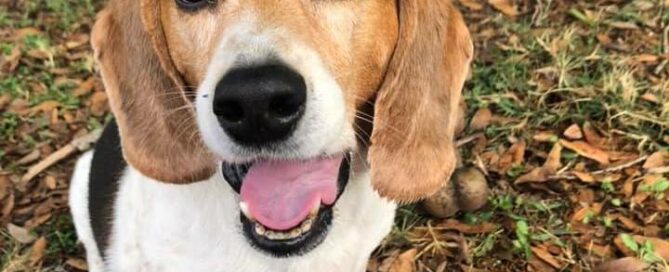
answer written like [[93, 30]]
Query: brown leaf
[[618, 242], [553, 163], [50, 182], [573, 132], [98, 103], [650, 97], [404, 262], [452, 224], [627, 264], [4, 101], [481, 119], [660, 246], [584, 177], [586, 150], [37, 251], [76, 40], [45, 107], [630, 224], [84, 88], [27, 31], [657, 159], [646, 58], [77, 263], [544, 255], [640, 196], [505, 6], [543, 173], [471, 4], [20, 234], [592, 136], [582, 212], [514, 156], [539, 265], [545, 136]]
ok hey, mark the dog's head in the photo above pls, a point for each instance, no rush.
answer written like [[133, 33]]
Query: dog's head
[[277, 91]]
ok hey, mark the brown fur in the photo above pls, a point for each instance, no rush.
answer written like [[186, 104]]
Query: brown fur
[[412, 152], [153, 114], [151, 57]]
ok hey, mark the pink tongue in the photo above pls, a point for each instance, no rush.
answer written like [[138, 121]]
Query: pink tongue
[[280, 194]]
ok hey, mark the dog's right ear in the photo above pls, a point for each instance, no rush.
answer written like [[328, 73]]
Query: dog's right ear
[[159, 135]]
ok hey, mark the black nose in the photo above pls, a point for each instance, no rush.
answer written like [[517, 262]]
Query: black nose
[[260, 105]]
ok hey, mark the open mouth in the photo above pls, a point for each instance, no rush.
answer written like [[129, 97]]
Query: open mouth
[[286, 206]]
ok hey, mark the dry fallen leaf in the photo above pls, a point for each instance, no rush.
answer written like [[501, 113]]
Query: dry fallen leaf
[[84, 88], [627, 264], [584, 177], [545, 136], [452, 224], [505, 6], [543, 173], [514, 156], [573, 132], [592, 136], [586, 150], [77, 263], [50, 182], [657, 159], [404, 262], [481, 119], [45, 107], [544, 255], [20, 234], [37, 251], [99, 103], [660, 246]]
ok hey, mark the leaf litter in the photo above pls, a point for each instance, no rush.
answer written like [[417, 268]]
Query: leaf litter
[[568, 117]]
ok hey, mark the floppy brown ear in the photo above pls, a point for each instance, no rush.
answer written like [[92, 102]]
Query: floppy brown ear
[[155, 119], [412, 150]]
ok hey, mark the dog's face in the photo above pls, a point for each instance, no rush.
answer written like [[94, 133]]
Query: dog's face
[[280, 80], [282, 94]]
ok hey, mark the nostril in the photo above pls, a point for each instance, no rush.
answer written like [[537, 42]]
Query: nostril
[[229, 111], [285, 106]]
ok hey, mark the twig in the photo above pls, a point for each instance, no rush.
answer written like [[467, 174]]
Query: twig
[[468, 139], [603, 171], [80, 144]]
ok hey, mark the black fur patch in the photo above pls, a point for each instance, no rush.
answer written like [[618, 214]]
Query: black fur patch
[[106, 170]]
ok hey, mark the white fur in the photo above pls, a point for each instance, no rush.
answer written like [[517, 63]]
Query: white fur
[[158, 227], [162, 227]]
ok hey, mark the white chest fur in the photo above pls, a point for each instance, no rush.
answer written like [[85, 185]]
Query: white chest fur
[[161, 227]]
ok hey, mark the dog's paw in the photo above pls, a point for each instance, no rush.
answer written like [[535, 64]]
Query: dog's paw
[[466, 191]]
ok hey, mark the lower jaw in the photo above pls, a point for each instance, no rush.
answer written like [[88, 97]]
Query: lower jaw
[[299, 245]]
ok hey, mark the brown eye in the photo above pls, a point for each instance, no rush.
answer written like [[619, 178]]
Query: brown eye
[[191, 5]]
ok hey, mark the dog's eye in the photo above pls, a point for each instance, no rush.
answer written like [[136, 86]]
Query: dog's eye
[[191, 5]]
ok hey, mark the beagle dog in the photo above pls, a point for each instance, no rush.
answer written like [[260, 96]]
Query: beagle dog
[[266, 135]]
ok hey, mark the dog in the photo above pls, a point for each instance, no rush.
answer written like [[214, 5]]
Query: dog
[[266, 135]]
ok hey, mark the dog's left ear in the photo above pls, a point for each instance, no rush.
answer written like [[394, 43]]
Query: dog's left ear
[[412, 150]]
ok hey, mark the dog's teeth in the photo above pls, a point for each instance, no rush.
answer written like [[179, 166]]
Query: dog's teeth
[[295, 233], [314, 211], [245, 210], [260, 230]]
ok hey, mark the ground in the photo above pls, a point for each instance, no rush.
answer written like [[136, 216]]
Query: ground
[[568, 113]]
